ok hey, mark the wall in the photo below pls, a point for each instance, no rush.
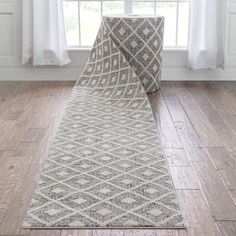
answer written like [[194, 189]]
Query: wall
[[173, 61], [231, 34]]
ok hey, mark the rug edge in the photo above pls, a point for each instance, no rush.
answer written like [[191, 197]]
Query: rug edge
[[106, 228]]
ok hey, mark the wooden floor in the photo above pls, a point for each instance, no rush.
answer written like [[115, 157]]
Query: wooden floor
[[197, 123]]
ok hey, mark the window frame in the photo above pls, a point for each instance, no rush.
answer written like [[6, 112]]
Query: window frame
[[128, 9]]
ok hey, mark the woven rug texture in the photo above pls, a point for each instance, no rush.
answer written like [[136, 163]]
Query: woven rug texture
[[106, 167]]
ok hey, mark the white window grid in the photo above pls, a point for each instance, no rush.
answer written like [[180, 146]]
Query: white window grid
[[128, 9]]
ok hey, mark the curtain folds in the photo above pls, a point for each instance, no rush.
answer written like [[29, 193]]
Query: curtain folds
[[206, 34], [44, 37]]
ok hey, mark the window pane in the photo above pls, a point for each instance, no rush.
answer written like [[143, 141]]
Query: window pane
[[90, 19], [113, 7], [183, 24], [169, 11], [71, 23], [143, 8]]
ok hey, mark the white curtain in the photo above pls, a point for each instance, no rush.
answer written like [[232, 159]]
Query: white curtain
[[206, 34], [44, 38]]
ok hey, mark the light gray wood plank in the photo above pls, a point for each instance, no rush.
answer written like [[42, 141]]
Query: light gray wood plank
[[35, 135], [225, 164], [108, 232], [10, 178], [174, 106], [176, 157], [227, 228], [221, 158], [139, 232], [184, 178], [5, 157], [197, 215], [164, 123], [202, 126], [26, 149], [192, 145], [222, 100], [76, 232], [217, 119], [44, 233], [233, 195], [171, 232], [218, 198]]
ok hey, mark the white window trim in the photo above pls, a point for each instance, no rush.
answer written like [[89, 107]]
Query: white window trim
[[128, 6], [165, 49]]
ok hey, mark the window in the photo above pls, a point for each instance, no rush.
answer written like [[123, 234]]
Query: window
[[83, 18]]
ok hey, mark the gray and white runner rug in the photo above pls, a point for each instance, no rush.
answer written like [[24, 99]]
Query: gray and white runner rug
[[106, 166]]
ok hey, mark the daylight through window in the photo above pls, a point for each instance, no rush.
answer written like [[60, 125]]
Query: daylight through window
[[83, 18]]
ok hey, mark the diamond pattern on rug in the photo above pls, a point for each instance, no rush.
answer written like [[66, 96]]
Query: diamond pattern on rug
[[104, 190], [82, 181], [128, 201], [106, 166], [78, 201], [141, 42]]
